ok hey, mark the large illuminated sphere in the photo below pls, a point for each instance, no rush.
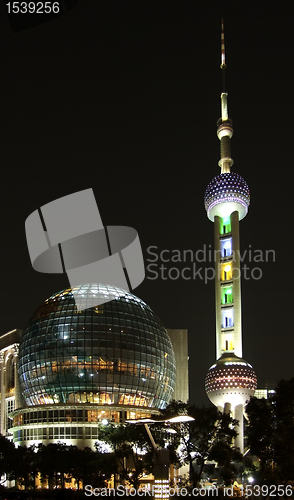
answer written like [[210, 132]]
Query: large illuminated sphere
[[227, 193], [230, 380], [117, 353]]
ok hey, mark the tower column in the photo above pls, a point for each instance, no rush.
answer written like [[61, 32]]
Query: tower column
[[239, 441], [218, 315], [236, 284], [227, 408]]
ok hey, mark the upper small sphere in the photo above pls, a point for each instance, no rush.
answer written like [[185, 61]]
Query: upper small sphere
[[115, 353], [230, 380], [226, 193]]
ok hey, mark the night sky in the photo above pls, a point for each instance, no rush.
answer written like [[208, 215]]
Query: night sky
[[124, 97]]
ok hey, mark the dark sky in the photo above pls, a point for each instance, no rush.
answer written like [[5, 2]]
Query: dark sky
[[123, 97]]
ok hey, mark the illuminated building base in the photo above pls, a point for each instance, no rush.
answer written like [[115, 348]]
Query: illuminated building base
[[75, 424]]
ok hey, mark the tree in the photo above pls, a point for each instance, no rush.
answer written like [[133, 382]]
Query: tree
[[271, 433], [53, 463], [259, 431], [208, 437], [79, 465], [141, 453], [114, 436], [283, 402], [132, 449], [26, 466], [7, 458], [89, 467]]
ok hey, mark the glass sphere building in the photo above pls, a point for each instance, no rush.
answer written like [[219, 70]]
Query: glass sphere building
[[78, 368], [116, 353]]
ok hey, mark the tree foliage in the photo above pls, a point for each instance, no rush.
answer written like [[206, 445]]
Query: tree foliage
[[132, 449], [6, 457], [56, 463], [208, 437], [271, 433]]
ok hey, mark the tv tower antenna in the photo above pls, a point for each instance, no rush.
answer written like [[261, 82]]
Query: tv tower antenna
[[223, 56]]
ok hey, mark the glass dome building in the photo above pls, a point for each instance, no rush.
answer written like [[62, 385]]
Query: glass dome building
[[115, 353], [78, 368]]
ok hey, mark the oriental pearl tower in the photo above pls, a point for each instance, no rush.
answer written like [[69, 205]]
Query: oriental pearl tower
[[230, 381]]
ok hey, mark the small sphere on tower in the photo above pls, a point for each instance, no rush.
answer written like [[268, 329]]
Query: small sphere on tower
[[230, 380], [226, 193]]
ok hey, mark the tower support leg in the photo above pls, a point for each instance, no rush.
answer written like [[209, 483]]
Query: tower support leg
[[239, 442]]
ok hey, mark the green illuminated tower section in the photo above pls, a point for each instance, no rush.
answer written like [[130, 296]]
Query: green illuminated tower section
[[227, 285], [230, 381]]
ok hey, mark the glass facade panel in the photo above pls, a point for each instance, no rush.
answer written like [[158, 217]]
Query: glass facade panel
[[227, 295], [225, 225], [226, 247]]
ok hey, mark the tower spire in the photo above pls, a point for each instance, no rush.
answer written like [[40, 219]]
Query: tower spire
[[224, 124], [223, 56]]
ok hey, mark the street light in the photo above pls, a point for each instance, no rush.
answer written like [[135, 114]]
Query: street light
[[161, 455]]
